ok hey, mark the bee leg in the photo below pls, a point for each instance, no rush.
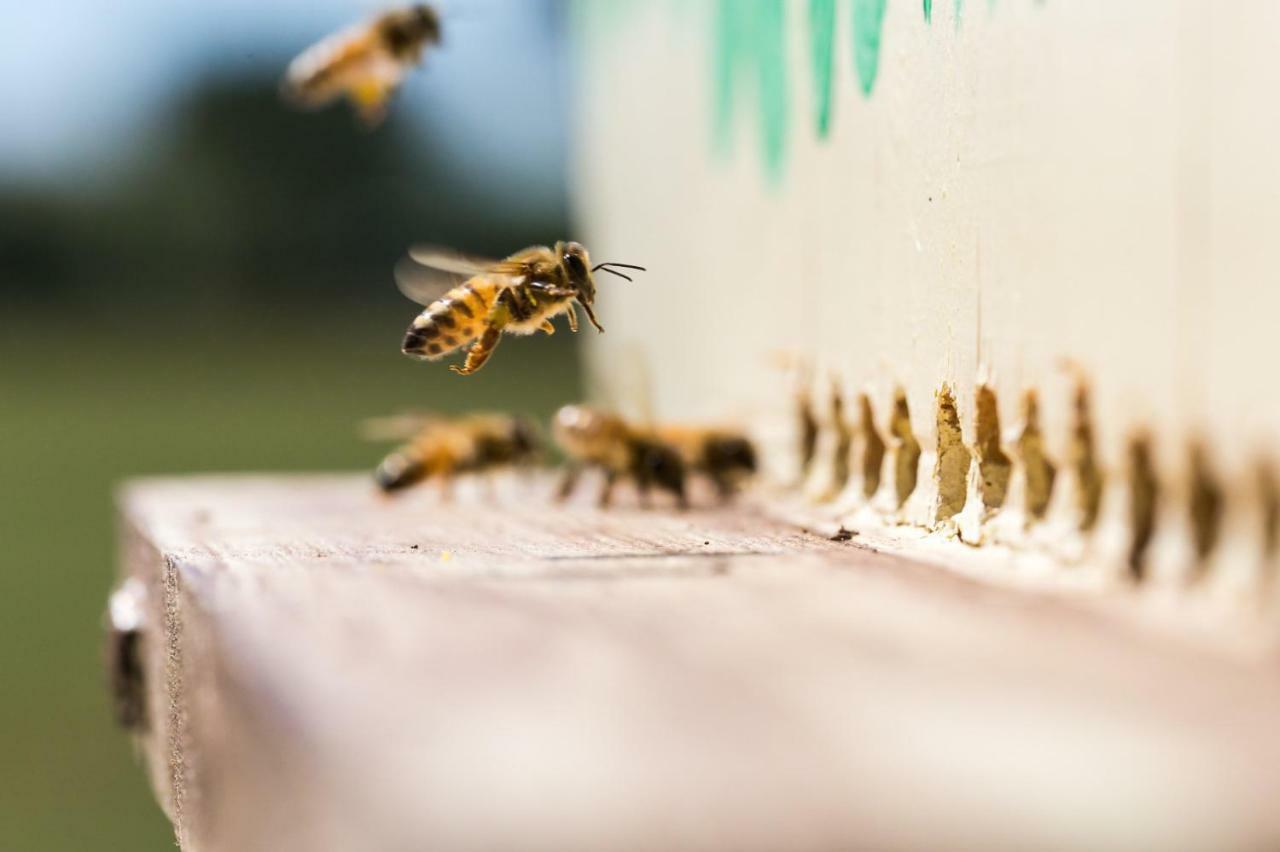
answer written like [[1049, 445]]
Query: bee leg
[[591, 315], [606, 493], [479, 351], [572, 314], [682, 500], [567, 481], [370, 100], [446, 487], [724, 487], [548, 327], [642, 492]]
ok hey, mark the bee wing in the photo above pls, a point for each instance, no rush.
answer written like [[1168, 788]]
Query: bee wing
[[428, 272], [398, 427], [448, 260], [424, 284]]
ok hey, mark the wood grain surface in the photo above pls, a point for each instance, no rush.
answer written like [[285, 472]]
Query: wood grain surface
[[331, 670]]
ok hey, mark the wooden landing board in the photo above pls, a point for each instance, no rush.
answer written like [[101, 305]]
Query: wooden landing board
[[329, 670]]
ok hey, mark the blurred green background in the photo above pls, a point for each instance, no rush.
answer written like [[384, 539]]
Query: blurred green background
[[194, 278]]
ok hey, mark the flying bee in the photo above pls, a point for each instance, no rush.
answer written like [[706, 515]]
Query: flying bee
[[726, 456], [594, 438], [441, 448], [519, 295], [366, 63]]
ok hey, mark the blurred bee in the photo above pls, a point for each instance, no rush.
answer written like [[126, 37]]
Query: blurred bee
[[366, 63], [519, 295], [725, 456], [440, 448], [593, 438]]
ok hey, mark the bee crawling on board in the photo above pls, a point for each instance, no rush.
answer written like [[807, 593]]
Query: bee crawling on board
[[365, 63], [440, 448], [590, 437], [724, 455], [519, 295]]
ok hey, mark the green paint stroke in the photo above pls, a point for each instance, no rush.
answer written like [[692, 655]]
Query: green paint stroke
[[750, 68], [868, 21], [726, 61], [751, 59], [822, 39]]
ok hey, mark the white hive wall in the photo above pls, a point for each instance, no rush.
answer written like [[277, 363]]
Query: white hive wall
[[1030, 193]]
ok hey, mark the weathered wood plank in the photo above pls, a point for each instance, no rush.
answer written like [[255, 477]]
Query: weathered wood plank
[[329, 670]]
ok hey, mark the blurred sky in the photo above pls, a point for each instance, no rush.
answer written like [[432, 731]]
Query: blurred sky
[[79, 79]]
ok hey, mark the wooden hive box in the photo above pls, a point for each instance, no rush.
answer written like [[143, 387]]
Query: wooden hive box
[[325, 670]]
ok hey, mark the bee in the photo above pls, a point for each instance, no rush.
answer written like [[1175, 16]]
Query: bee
[[440, 448], [726, 456], [519, 295], [590, 437], [366, 63]]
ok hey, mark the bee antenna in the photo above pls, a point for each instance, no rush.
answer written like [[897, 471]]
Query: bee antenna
[[615, 272], [623, 265]]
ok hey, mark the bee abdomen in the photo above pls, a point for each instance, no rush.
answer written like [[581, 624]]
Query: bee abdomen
[[450, 322], [422, 341], [400, 470]]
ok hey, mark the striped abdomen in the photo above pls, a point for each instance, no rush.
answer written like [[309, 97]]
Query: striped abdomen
[[452, 321], [425, 458], [401, 469]]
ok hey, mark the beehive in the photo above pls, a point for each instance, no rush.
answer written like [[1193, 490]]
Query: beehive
[[1072, 200]]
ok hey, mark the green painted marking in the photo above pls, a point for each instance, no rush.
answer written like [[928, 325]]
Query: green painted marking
[[751, 56], [868, 21], [726, 58], [750, 64], [771, 67], [822, 38]]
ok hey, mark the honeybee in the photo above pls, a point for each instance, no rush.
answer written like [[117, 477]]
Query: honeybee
[[594, 438], [440, 448], [366, 63], [725, 456], [519, 295]]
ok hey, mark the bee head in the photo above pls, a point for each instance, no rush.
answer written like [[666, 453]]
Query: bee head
[[571, 424], [662, 465], [731, 453], [577, 269], [580, 274], [408, 30], [576, 264], [526, 442]]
